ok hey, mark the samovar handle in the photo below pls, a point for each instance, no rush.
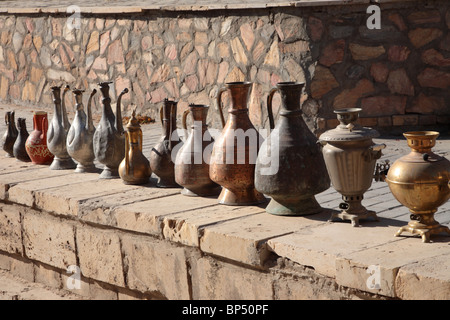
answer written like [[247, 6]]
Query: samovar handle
[[269, 108], [219, 105]]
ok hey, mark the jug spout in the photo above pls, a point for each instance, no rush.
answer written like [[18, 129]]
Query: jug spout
[[90, 121], [119, 124]]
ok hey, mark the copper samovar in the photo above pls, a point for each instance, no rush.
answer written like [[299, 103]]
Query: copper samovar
[[350, 157], [420, 181]]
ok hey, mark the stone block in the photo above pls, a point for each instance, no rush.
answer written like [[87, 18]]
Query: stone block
[[361, 52], [405, 120], [100, 255], [216, 280], [49, 240], [422, 36], [383, 106], [47, 276], [323, 82], [156, 266], [10, 229], [22, 268]]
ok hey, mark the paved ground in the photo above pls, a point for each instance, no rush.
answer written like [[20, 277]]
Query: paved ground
[[378, 198]]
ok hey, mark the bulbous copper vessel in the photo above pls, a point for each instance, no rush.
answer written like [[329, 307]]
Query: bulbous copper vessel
[[135, 167], [350, 156], [163, 154], [290, 166], [192, 161], [420, 181], [234, 153]]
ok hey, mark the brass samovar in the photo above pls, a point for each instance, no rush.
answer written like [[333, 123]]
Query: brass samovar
[[350, 157], [420, 181]]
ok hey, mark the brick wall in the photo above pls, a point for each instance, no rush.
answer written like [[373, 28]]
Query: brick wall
[[398, 75]]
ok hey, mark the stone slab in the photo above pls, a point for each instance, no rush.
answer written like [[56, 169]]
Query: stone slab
[[387, 260], [320, 246], [10, 229], [147, 216], [244, 239], [187, 227]]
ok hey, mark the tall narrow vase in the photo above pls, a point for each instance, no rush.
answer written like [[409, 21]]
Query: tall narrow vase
[[57, 134], [19, 150], [163, 154], [192, 161], [109, 138], [10, 136], [290, 166], [420, 181], [234, 153]]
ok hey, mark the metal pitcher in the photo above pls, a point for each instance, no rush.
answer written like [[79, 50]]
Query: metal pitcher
[[80, 143], [10, 135], [19, 150], [109, 138], [57, 132]]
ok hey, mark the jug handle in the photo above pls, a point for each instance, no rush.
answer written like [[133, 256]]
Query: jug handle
[[7, 118], [172, 112], [44, 129], [219, 105], [184, 124], [269, 108]]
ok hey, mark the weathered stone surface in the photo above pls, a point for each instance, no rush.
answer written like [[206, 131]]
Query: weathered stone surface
[[247, 35], [399, 82], [383, 106], [333, 53], [238, 51], [422, 36], [361, 52], [273, 56], [434, 78], [54, 246], [10, 229], [424, 104], [93, 44], [100, 255], [379, 71], [405, 120], [435, 58], [426, 16], [156, 266], [398, 53], [316, 28], [348, 98], [397, 19], [323, 82], [115, 52]]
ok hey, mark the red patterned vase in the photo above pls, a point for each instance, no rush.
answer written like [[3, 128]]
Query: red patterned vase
[[36, 144]]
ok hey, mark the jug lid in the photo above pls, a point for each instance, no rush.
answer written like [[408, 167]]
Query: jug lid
[[348, 129], [133, 123]]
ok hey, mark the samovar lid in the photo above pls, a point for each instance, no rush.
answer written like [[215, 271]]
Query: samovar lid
[[348, 129]]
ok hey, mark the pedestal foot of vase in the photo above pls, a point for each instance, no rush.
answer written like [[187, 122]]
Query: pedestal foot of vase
[[296, 207], [63, 164], [87, 168], [206, 193], [241, 198], [109, 173]]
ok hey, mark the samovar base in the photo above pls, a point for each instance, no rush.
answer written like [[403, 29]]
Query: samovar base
[[109, 173], [353, 210], [208, 193], [63, 164], [424, 225], [301, 207], [243, 198]]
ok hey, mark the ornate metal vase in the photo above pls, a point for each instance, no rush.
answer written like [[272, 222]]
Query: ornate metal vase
[[109, 138], [234, 153], [134, 168], [163, 154], [350, 157], [57, 133], [420, 181], [36, 144], [80, 138], [290, 166], [192, 161], [11, 133], [19, 150]]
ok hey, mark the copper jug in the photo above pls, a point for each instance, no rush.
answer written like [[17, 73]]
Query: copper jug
[[134, 168], [11, 133], [19, 150], [420, 181], [57, 133], [350, 156], [192, 161], [163, 154], [80, 138], [234, 153], [109, 139], [290, 166]]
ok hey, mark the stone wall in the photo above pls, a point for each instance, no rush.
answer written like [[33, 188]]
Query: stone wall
[[398, 75]]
